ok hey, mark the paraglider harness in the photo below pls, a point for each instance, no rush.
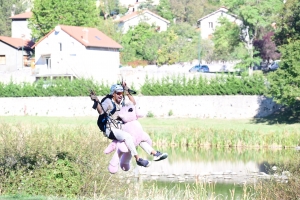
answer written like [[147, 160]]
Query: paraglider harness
[[105, 118]]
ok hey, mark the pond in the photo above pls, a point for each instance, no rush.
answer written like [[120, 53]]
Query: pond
[[225, 169]]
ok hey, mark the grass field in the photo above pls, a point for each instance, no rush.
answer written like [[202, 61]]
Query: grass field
[[162, 123]]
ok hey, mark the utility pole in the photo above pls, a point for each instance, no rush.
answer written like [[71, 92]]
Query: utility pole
[[199, 47], [23, 50]]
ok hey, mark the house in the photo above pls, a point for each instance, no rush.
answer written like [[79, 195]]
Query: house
[[134, 18], [19, 26], [73, 51], [14, 53], [208, 23]]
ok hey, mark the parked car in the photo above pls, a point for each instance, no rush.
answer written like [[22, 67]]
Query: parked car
[[272, 66], [199, 68]]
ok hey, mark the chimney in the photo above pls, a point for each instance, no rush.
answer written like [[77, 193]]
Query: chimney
[[85, 35]]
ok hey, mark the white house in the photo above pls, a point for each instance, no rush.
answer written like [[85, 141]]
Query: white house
[[14, 53], [208, 23], [134, 18], [19, 26], [77, 52]]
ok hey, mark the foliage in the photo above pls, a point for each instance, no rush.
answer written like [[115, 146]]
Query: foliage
[[177, 44], [191, 10], [220, 85], [6, 7], [49, 13], [148, 4], [267, 47], [255, 15], [164, 10], [226, 40], [150, 114], [134, 40], [287, 24], [287, 188], [284, 83], [54, 160], [109, 28], [55, 87]]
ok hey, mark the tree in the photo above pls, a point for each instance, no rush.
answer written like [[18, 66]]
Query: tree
[[191, 10], [6, 8], [164, 9], [110, 29], [226, 39], [284, 83], [148, 4], [267, 47], [288, 23], [49, 13], [255, 14], [134, 41]]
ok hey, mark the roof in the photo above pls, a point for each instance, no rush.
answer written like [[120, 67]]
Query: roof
[[222, 9], [17, 42], [95, 37], [25, 15], [137, 13]]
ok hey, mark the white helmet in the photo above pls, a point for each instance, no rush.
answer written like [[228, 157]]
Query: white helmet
[[116, 88]]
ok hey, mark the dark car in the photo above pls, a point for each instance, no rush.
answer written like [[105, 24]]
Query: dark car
[[199, 68], [274, 65]]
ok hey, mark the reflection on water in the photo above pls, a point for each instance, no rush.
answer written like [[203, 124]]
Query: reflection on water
[[215, 165], [227, 170]]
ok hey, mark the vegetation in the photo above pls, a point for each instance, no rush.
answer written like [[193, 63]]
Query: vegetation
[[219, 85], [168, 86], [284, 189], [49, 13], [285, 82], [62, 157], [55, 87], [6, 9]]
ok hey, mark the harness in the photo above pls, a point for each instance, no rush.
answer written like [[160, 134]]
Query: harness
[[105, 118]]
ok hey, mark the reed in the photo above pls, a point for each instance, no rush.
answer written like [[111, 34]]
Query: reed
[[64, 159]]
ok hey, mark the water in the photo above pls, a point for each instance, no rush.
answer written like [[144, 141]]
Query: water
[[226, 168]]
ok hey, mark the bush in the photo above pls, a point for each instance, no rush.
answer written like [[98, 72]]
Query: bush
[[220, 85], [167, 86]]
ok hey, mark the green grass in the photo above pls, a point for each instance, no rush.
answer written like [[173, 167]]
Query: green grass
[[190, 131], [217, 124], [163, 123]]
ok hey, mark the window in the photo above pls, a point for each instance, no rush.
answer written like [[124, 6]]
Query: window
[[2, 60], [48, 62], [210, 25]]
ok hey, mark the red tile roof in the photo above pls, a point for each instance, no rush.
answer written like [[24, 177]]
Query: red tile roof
[[137, 13], [25, 15], [95, 37], [17, 42]]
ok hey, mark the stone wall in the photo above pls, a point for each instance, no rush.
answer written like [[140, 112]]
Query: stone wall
[[221, 107]]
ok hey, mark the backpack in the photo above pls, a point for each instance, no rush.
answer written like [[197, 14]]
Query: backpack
[[103, 118]]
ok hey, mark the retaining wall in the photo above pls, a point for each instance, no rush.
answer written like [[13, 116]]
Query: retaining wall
[[221, 107]]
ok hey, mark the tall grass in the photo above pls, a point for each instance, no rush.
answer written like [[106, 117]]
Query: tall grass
[[54, 160], [287, 187], [67, 160]]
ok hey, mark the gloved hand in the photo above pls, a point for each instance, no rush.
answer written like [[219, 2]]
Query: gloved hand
[[126, 88], [94, 97]]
